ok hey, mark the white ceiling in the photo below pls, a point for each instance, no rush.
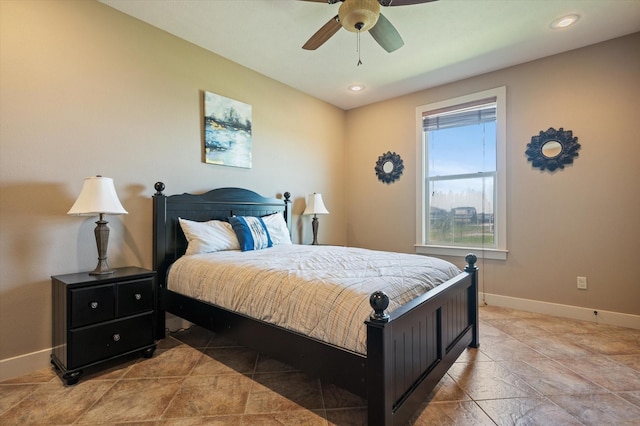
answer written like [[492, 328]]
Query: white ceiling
[[445, 41]]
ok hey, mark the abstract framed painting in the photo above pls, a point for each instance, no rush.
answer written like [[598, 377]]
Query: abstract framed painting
[[227, 131]]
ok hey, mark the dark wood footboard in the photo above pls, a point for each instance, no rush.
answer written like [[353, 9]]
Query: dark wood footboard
[[410, 350]]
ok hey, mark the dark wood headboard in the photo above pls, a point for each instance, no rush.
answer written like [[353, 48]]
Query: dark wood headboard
[[169, 242]]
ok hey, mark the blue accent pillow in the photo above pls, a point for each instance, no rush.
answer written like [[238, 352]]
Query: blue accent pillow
[[251, 232]]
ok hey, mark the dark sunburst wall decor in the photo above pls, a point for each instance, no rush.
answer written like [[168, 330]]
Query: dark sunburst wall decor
[[389, 167], [552, 149]]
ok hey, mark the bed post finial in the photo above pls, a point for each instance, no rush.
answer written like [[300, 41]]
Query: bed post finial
[[287, 211], [379, 301], [159, 186], [471, 262]]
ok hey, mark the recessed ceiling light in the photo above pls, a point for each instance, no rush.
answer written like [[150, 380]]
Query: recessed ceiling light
[[356, 87], [565, 21]]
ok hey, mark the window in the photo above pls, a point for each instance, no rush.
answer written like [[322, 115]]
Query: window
[[461, 192]]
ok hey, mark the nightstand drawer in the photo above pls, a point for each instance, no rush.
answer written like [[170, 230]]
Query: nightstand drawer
[[134, 297], [90, 305], [91, 344]]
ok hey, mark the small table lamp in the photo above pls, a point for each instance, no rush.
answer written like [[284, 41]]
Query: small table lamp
[[98, 197], [315, 206]]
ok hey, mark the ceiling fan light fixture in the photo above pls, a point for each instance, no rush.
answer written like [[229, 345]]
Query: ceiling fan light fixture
[[359, 15]]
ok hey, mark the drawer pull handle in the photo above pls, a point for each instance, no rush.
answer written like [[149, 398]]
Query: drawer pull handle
[[138, 296], [116, 337], [93, 305]]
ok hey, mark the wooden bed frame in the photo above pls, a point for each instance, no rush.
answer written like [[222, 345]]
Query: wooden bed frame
[[409, 349]]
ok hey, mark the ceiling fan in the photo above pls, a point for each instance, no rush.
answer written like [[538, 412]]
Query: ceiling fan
[[358, 16]]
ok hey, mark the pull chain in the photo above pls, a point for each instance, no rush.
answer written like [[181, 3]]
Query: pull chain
[[358, 49]]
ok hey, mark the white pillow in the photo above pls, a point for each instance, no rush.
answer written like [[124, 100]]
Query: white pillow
[[277, 228], [208, 237]]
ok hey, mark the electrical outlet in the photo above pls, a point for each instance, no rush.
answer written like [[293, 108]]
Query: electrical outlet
[[582, 283]]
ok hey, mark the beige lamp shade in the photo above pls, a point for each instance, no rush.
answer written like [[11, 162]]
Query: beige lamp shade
[[98, 196], [315, 205]]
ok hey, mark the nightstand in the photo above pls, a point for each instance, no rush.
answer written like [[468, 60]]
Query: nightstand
[[97, 318]]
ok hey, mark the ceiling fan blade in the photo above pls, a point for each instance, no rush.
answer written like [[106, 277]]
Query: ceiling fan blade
[[386, 35], [323, 34], [397, 2]]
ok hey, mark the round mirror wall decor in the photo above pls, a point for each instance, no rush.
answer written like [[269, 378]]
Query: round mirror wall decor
[[552, 149], [389, 167]]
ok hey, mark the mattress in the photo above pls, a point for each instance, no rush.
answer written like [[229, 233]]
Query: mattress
[[319, 291]]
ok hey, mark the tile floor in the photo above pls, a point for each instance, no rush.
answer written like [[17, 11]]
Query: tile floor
[[530, 369]]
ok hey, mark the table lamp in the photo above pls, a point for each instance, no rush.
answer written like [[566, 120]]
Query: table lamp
[[315, 206], [98, 197]]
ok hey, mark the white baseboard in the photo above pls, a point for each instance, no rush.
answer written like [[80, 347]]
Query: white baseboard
[[27, 363], [564, 311], [24, 364]]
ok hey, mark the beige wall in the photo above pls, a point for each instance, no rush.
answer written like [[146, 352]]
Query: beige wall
[[581, 221], [87, 90]]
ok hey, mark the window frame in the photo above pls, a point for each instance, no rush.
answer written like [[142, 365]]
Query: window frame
[[499, 252]]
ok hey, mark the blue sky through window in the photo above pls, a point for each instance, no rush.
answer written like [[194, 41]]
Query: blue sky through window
[[462, 150]]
